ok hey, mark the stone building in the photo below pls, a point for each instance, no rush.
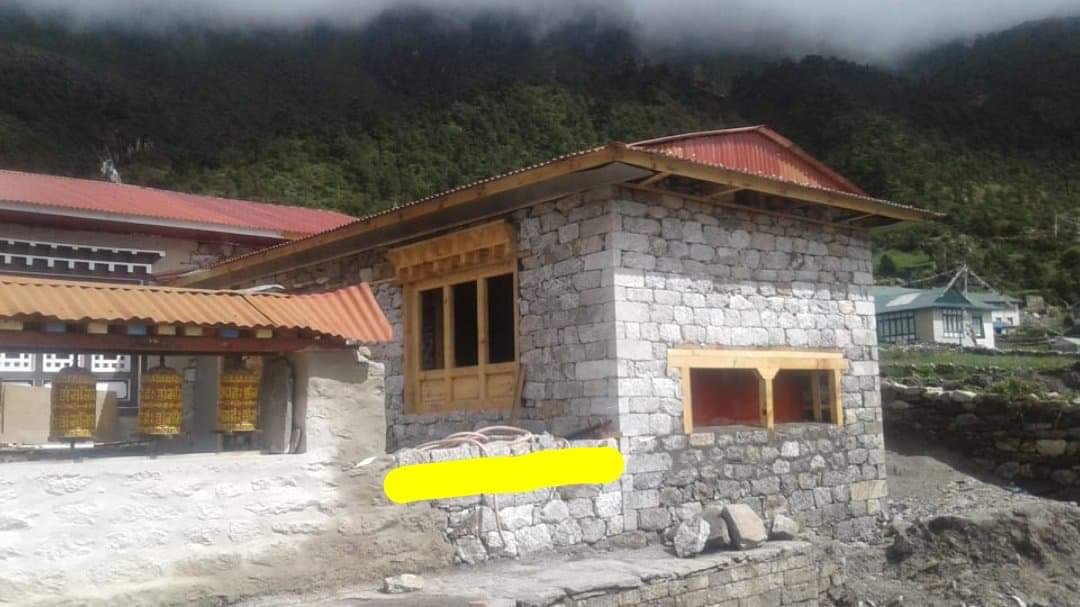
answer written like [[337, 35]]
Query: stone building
[[702, 300]]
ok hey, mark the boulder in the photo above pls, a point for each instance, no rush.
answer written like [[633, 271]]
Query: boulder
[[690, 537], [783, 528], [406, 582], [745, 526], [898, 405], [718, 529], [962, 396]]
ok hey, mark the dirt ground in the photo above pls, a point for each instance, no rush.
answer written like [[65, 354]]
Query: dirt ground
[[960, 537]]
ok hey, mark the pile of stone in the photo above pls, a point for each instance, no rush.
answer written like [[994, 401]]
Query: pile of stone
[[729, 527]]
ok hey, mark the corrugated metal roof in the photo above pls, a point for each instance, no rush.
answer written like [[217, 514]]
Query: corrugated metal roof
[[902, 299], [350, 313], [760, 151], [757, 150], [129, 201]]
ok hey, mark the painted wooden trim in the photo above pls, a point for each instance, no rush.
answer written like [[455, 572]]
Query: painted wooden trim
[[766, 364], [484, 370]]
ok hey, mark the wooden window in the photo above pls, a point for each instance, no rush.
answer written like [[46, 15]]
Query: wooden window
[[759, 387], [953, 321], [896, 327], [460, 320], [977, 326]]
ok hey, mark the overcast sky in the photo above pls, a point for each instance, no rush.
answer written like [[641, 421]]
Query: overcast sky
[[868, 30]]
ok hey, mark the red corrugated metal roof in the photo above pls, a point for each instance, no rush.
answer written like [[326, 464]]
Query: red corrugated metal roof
[[757, 150], [32, 189], [350, 313]]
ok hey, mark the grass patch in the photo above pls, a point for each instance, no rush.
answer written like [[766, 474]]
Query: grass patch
[[965, 359]]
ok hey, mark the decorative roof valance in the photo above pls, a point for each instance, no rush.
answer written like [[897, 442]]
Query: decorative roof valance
[[467, 248]]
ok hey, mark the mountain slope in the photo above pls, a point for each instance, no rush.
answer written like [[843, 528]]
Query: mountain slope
[[361, 119]]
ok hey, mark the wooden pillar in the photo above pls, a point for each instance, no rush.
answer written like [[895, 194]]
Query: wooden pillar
[[835, 397], [765, 395]]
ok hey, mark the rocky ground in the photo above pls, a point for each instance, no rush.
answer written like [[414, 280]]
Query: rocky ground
[[961, 538], [955, 536]]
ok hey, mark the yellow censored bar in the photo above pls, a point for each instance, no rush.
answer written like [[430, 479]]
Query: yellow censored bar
[[504, 474]]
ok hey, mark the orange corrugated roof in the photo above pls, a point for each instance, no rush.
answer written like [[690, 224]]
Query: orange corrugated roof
[[350, 313], [757, 150], [129, 201]]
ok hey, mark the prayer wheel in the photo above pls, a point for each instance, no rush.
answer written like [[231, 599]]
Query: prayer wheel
[[73, 405], [238, 398], [161, 402]]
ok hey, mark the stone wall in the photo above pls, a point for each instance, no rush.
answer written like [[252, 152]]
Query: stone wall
[[690, 274], [566, 341], [781, 573], [1025, 442], [178, 529]]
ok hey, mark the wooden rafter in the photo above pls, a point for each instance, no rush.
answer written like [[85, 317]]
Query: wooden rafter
[[654, 179]]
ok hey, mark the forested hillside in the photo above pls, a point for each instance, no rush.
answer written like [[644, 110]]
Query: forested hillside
[[361, 119]]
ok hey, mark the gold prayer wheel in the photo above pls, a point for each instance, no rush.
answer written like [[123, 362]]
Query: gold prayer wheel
[[73, 405], [238, 398], [161, 402]]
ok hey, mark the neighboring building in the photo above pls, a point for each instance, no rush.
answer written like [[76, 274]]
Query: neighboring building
[[944, 316], [1005, 310], [705, 298], [77, 229], [1066, 344]]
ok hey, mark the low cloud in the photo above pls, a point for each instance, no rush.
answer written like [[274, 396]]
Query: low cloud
[[867, 30]]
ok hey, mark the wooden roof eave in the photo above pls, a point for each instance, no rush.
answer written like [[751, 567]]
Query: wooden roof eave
[[664, 164], [264, 262]]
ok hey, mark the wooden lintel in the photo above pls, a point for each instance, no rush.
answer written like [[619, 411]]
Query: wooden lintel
[[152, 344]]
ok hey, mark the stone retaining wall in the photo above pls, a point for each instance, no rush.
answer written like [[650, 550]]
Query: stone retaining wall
[[1019, 441], [814, 473], [780, 573]]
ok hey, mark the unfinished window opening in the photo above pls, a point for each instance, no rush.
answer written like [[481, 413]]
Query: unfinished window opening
[[725, 397], [801, 396], [501, 331], [431, 329], [759, 387]]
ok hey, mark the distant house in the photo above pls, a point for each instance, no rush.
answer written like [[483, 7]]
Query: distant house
[[1066, 344], [1005, 312], [945, 316]]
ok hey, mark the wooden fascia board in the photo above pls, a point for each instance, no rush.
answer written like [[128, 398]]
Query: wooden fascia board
[[215, 276], [714, 174]]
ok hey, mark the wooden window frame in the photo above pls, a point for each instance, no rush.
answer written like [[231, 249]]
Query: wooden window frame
[[766, 363], [897, 327], [954, 318], [419, 383]]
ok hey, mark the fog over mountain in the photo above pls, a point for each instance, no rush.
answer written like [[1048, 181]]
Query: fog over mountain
[[867, 30]]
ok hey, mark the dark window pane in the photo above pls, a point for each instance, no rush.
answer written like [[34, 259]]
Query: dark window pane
[[431, 329], [500, 292], [466, 334]]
